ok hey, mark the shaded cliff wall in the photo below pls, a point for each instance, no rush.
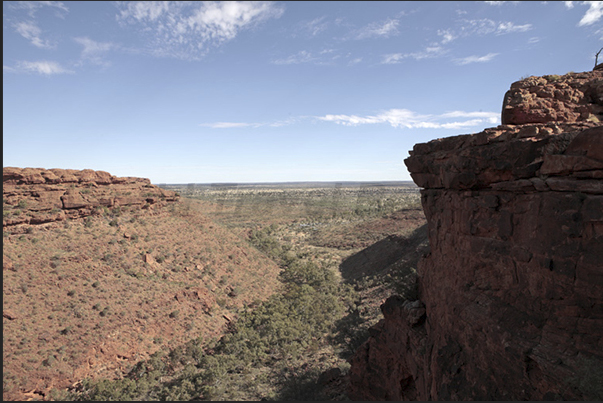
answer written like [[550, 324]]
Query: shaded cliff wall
[[511, 295]]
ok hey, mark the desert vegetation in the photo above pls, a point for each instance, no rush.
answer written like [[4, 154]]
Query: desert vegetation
[[235, 292]]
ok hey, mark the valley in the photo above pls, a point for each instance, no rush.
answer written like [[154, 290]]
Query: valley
[[232, 292]]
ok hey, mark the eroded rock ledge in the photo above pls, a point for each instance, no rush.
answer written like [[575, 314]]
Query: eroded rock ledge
[[511, 295], [37, 196]]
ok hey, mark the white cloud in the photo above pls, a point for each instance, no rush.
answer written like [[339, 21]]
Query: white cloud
[[186, 30], [354, 61], [404, 118], [486, 26], [376, 29], [569, 4], [325, 57], [30, 31], [393, 58], [33, 6], [21, 16], [508, 27], [144, 10], [302, 56], [429, 53], [40, 67], [93, 51], [446, 35], [593, 14], [29, 28], [236, 125], [499, 3], [398, 118], [475, 59]]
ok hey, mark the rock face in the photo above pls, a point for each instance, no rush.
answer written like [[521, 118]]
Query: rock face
[[36, 195], [511, 294]]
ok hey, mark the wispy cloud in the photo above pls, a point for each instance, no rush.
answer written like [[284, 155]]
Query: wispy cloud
[[236, 125], [508, 27], [31, 7], [485, 26], [446, 35], [30, 31], [313, 27], [187, 30], [43, 67], [93, 52], [404, 118], [302, 56], [354, 61], [500, 3], [229, 125], [398, 118], [475, 59], [28, 27], [428, 53], [379, 29], [465, 28], [324, 57]]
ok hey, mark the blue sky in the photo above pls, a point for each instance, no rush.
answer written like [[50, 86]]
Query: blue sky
[[269, 91]]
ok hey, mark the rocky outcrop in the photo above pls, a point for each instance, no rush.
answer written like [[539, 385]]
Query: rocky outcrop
[[511, 294], [575, 97], [37, 196]]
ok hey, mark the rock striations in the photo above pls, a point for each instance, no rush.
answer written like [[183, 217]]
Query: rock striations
[[37, 196], [511, 294]]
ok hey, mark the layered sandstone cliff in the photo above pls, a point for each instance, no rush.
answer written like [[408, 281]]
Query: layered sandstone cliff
[[511, 294], [36, 195]]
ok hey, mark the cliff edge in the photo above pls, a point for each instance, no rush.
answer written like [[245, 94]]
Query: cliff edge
[[511, 294], [37, 196]]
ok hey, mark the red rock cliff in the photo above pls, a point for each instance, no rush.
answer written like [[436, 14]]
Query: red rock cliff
[[511, 294], [37, 196]]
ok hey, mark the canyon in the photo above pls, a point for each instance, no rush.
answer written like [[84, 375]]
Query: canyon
[[510, 295]]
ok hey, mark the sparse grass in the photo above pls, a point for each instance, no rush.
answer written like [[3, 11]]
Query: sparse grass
[[77, 252]]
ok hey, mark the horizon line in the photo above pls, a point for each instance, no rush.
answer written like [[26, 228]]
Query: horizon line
[[283, 182]]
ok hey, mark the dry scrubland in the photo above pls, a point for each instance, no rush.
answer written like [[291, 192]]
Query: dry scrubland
[[142, 297], [88, 298]]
